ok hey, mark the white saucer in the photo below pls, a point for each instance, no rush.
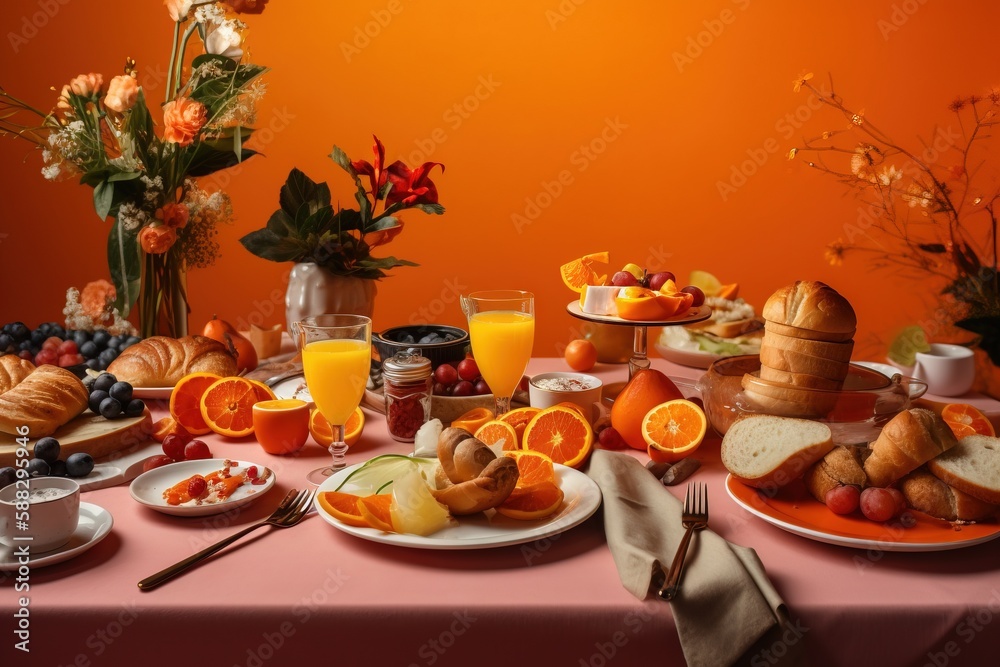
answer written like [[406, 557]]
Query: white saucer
[[95, 524]]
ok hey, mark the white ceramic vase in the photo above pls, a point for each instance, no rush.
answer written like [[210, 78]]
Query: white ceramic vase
[[312, 290]]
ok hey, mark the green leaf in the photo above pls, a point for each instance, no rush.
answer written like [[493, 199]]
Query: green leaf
[[265, 244], [435, 209], [125, 267], [347, 219], [224, 63], [124, 176], [300, 190], [139, 125], [207, 158], [316, 223], [104, 197], [340, 158], [385, 222], [383, 192], [280, 224], [364, 205]]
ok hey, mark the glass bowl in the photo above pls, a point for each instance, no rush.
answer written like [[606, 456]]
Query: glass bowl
[[855, 414]]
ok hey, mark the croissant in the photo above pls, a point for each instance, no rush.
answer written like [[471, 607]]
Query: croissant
[[910, 439], [472, 478], [13, 370], [45, 400], [162, 362]]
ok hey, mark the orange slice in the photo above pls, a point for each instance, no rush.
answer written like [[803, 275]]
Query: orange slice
[[375, 510], [169, 426], [263, 392], [730, 291], [674, 429], [961, 430], [322, 432], [227, 406], [966, 415], [472, 420], [342, 506], [532, 502], [580, 272], [533, 467], [185, 401], [495, 430], [561, 433], [519, 419]]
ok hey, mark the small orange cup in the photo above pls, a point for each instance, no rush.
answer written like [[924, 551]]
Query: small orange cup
[[281, 426]]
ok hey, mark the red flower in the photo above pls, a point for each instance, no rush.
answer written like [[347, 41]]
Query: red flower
[[375, 172], [412, 187], [246, 6]]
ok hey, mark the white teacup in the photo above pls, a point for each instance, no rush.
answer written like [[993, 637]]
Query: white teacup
[[49, 507], [948, 370]]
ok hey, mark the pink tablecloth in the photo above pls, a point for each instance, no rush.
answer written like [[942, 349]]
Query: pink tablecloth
[[314, 595]]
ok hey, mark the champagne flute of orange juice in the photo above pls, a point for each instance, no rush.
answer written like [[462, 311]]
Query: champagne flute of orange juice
[[336, 358], [502, 330]]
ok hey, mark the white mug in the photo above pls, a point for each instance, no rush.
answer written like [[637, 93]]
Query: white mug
[[948, 370], [47, 511]]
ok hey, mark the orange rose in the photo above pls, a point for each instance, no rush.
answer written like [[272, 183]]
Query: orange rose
[[183, 118], [122, 93], [95, 297], [83, 85], [174, 215], [157, 240]]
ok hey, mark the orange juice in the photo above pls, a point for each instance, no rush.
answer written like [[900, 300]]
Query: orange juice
[[501, 344], [336, 373]]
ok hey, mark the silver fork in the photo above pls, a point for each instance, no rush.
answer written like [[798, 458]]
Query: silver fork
[[287, 514], [694, 517]]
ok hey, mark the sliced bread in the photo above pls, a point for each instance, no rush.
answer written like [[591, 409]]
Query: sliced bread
[[769, 452], [972, 466]]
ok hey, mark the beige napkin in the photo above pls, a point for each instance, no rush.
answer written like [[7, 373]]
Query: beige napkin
[[726, 602]]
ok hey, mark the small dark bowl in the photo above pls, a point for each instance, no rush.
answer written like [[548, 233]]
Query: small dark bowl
[[388, 342]]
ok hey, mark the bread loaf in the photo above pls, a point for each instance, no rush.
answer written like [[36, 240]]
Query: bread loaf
[[834, 351], [972, 466], [812, 306], [45, 400], [797, 362], [162, 362], [769, 452], [802, 380], [786, 400], [928, 494], [13, 369], [842, 466], [910, 439]]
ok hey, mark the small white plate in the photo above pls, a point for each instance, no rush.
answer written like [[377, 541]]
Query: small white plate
[[293, 387], [95, 524], [690, 358], [885, 369], [156, 393], [148, 487], [689, 316], [581, 499]]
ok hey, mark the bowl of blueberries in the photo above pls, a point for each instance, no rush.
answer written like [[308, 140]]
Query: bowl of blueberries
[[440, 343]]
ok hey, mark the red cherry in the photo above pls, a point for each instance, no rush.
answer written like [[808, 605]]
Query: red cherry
[[446, 374], [197, 486], [196, 449], [173, 446], [66, 347]]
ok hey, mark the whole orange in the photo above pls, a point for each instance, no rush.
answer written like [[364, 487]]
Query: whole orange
[[581, 355], [647, 389]]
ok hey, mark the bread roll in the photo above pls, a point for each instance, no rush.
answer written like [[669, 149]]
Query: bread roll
[[45, 400], [802, 380], [816, 348], [13, 369], [811, 305], [972, 466], [493, 485], [769, 452], [928, 494], [806, 334], [162, 362], [462, 456], [787, 400], [797, 362], [842, 466], [910, 439]]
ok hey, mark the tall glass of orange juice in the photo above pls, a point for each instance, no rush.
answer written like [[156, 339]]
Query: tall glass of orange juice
[[336, 358], [502, 330]]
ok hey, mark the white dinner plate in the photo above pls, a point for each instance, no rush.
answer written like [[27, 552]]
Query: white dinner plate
[[156, 393], [690, 316], [95, 524], [488, 529], [797, 512], [690, 358], [148, 487], [293, 387]]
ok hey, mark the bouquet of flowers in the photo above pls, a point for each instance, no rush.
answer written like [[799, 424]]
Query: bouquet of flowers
[[143, 161], [923, 212], [307, 227]]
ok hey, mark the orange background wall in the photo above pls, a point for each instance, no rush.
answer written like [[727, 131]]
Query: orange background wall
[[561, 73]]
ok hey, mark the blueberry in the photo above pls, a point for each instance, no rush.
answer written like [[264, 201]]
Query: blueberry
[[96, 398], [107, 356], [93, 364], [20, 331], [104, 382], [6, 328], [114, 342], [47, 449], [38, 468], [7, 476], [25, 345], [81, 337], [134, 408], [57, 330], [57, 469], [110, 408], [44, 328], [79, 464], [6, 342], [101, 338], [38, 337], [131, 340], [121, 392]]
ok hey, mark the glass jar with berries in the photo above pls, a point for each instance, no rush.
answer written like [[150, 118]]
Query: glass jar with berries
[[407, 385]]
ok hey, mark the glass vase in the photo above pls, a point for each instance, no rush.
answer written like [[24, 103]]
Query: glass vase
[[163, 304]]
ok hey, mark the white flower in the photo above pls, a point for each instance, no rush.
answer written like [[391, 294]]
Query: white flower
[[209, 14], [178, 9], [51, 171], [224, 41], [890, 175]]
